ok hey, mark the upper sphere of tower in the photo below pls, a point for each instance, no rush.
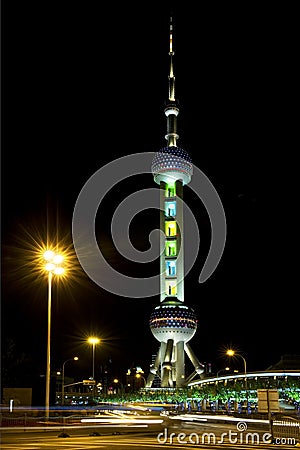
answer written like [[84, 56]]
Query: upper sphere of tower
[[171, 164]]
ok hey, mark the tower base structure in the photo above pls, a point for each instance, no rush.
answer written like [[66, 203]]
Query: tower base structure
[[173, 324]]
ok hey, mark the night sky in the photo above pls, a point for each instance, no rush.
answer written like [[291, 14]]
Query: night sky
[[82, 86]]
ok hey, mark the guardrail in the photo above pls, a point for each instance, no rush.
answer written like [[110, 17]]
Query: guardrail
[[286, 427], [29, 421]]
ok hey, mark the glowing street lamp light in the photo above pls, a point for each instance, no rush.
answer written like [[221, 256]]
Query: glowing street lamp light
[[53, 266], [231, 352], [93, 341], [117, 384], [63, 378], [138, 375]]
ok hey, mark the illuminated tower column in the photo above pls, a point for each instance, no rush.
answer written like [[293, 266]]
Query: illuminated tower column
[[171, 224], [180, 241]]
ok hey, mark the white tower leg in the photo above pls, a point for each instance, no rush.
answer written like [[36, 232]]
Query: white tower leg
[[180, 369]]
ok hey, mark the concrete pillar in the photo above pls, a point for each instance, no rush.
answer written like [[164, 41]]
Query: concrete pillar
[[167, 365], [180, 367]]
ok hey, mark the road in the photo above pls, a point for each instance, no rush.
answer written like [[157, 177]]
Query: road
[[176, 435], [40, 441]]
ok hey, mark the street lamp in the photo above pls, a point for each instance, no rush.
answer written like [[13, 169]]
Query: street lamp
[[233, 353], [94, 341], [63, 378], [118, 382], [138, 375], [53, 266], [222, 370]]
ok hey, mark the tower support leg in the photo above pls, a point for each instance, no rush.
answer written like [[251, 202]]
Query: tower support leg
[[154, 369], [199, 367], [180, 368], [163, 346], [166, 380]]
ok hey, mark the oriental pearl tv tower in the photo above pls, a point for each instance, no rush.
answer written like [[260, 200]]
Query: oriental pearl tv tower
[[172, 323]]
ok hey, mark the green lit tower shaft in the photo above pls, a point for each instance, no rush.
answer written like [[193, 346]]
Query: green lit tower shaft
[[172, 323]]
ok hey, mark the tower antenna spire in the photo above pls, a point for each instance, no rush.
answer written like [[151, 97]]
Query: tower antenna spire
[[171, 53], [171, 110]]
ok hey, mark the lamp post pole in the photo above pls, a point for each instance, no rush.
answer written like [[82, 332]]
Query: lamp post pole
[[93, 341], [222, 370], [138, 375], [47, 399], [246, 382], [233, 353], [93, 374], [63, 378], [52, 266]]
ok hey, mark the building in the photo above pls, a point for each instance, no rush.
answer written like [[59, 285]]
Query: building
[[172, 323]]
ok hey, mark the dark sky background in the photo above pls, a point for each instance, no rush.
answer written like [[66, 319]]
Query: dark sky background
[[82, 86]]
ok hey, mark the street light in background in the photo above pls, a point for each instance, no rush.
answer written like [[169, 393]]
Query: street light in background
[[93, 341], [233, 353], [222, 370], [117, 384], [53, 266], [138, 375], [63, 378]]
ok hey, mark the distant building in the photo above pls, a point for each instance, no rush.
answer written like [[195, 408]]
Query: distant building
[[16, 397], [135, 379], [287, 362]]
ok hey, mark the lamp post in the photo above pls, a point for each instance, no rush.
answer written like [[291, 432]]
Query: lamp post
[[138, 375], [63, 378], [233, 353], [118, 382], [53, 267], [93, 341], [217, 382], [222, 370]]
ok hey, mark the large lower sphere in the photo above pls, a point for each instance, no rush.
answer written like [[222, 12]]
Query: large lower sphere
[[173, 320]]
